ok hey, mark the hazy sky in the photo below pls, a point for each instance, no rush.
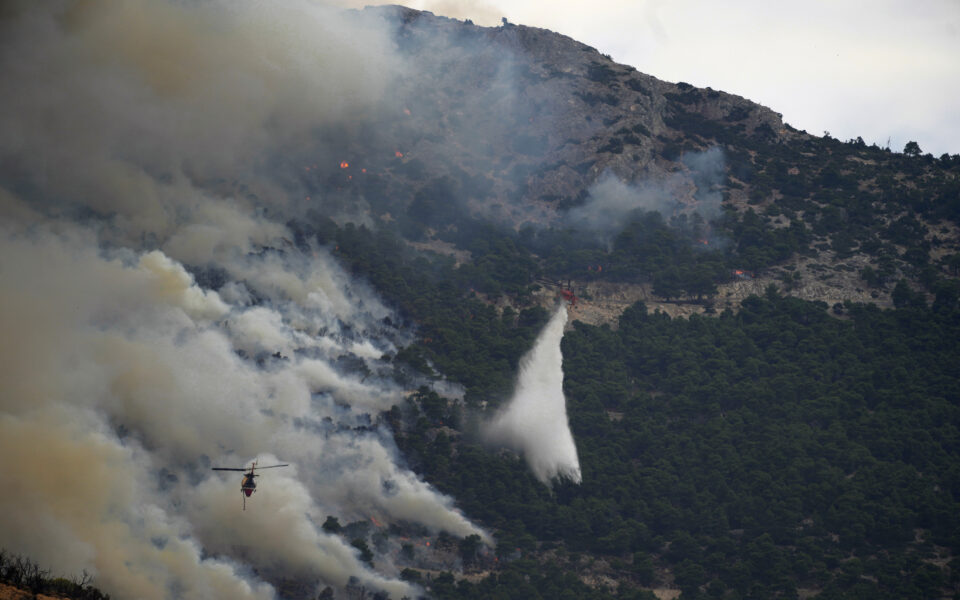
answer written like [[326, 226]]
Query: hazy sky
[[879, 69]]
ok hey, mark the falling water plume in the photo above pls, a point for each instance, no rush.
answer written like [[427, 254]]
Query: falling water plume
[[534, 421]]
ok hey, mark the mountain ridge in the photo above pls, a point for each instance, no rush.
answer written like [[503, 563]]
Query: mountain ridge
[[333, 247], [565, 116]]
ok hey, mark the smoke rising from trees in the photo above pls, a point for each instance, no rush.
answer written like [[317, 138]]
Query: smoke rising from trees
[[612, 201], [136, 147]]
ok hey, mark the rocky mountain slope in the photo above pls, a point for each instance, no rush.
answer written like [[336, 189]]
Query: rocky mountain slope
[[524, 127]]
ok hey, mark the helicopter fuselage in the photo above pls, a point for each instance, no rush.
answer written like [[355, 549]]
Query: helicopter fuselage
[[248, 486]]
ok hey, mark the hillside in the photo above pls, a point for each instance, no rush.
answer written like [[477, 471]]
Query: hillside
[[781, 235], [520, 321], [532, 130]]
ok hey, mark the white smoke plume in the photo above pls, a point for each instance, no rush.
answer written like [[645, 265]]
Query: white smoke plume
[[612, 201], [534, 421], [136, 140], [707, 172]]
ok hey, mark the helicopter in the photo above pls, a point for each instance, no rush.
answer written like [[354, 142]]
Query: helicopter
[[248, 486]]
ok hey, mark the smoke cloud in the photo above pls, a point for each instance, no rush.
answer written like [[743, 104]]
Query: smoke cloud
[[139, 145], [707, 172], [534, 421], [611, 201]]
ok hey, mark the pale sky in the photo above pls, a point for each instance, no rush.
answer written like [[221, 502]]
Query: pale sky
[[879, 69]]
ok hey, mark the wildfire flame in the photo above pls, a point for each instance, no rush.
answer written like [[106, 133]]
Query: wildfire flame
[[406, 111], [398, 154], [344, 164]]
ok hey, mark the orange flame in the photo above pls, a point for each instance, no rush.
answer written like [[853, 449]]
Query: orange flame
[[344, 164], [398, 154], [406, 111], [704, 242]]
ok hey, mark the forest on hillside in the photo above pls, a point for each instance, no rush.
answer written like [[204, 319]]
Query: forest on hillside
[[773, 449], [785, 446], [329, 240]]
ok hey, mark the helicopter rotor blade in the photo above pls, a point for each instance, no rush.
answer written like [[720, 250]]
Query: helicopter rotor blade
[[227, 469], [273, 466]]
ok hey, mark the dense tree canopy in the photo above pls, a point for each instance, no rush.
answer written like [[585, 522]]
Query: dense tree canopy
[[757, 452], [781, 447]]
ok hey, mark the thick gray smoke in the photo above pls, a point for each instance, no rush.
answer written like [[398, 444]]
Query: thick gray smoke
[[534, 421], [612, 201], [136, 140]]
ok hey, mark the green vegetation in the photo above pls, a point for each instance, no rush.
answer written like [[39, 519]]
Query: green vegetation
[[787, 448], [845, 193], [455, 325], [751, 454], [526, 579], [672, 256]]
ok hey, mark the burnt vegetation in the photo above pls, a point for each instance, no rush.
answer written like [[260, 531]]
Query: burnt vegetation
[[23, 573]]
